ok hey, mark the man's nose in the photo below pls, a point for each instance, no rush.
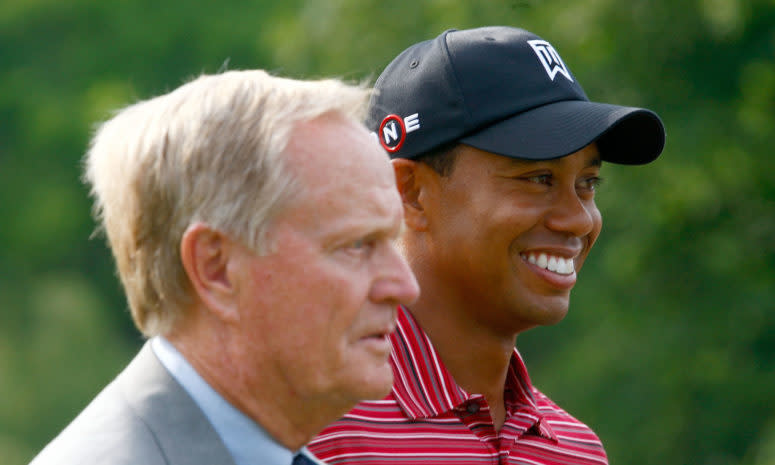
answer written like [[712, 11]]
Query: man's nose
[[572, 214], [396, 283]]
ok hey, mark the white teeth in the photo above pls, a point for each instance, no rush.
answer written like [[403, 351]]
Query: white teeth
[[552, 265], [568, 268], [559, 265]]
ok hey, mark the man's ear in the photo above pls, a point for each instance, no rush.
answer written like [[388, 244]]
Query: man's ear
[[207, 255], [415, 182]]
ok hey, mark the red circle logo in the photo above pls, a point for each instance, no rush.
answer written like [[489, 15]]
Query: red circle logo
[[392, 133]]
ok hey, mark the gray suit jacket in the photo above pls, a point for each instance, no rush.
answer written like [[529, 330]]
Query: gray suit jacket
[[143, 417]]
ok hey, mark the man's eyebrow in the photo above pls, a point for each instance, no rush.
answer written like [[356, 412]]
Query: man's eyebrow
[[596, 162]]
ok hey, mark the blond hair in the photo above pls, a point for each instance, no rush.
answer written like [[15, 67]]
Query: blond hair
[[209, 151]]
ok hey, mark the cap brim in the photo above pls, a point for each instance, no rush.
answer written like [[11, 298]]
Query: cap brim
[[625, 135]]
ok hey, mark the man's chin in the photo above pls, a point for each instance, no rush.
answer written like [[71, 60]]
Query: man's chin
[[548, 311], [373, 384], [555, 313]]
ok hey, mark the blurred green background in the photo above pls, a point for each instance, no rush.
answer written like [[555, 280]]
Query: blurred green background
[[668, 351]]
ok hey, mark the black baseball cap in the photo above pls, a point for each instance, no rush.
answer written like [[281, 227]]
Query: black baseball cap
[[506, 91]]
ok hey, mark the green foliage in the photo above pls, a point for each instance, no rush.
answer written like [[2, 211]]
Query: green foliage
[[669, 348]]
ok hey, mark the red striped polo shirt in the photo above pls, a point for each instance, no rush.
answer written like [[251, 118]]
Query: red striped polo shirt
[[429, 419]]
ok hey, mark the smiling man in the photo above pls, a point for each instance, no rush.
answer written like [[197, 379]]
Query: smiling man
[[497, 152], [253, 221]]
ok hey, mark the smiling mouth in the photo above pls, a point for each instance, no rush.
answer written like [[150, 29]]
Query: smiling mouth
[[553, 263]]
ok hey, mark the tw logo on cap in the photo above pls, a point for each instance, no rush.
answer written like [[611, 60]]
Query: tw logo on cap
[[393, 130], [550, 59]]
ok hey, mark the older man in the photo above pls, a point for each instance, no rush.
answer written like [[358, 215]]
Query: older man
[[497, 152], [252, 219]]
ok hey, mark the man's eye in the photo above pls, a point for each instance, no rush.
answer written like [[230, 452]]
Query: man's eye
[[361, 245], [541, 179], [592, 183]]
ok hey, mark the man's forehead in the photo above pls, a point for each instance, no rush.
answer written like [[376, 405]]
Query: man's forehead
[[331, 148], [338, 215], [590, 160], [589, 155]]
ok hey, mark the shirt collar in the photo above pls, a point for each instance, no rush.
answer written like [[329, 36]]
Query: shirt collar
[[424, 388], [246, 440]]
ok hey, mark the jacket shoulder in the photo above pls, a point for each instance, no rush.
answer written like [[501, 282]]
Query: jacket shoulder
[[106, 432]]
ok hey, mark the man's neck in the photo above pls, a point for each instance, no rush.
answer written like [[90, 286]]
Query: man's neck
[[477, 358], [260, 394]]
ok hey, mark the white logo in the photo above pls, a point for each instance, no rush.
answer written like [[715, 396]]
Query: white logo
[[550, 59], [393, 130], [412, 122]]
